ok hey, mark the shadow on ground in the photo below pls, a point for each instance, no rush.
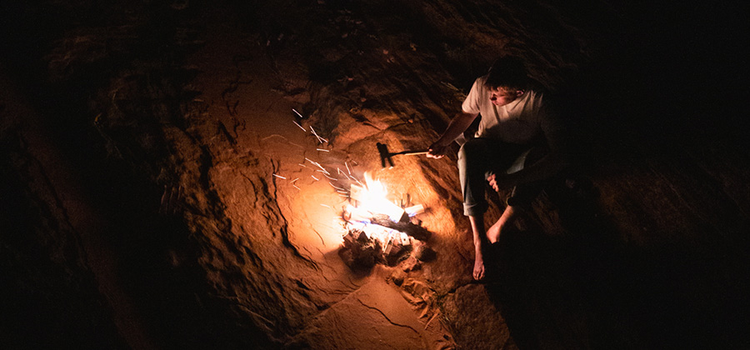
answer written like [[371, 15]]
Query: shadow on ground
[[589, 288]]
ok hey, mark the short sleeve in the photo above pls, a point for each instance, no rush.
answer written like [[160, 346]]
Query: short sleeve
[[471, 103]]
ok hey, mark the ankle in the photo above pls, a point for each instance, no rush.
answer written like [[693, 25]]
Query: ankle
[[478, 246]]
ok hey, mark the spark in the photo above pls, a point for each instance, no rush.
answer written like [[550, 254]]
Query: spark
[[336, 187], [322, 150], [320, 139], [300, 126], [297, 113], [347, 168], [316, 179], [318, 165], [279, 176], [355, 179]]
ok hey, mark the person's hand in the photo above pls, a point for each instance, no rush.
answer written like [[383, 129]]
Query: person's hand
[[436, 151], [496, 182]]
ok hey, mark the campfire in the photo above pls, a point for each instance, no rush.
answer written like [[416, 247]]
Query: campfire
[[381, 231], [377, 230]]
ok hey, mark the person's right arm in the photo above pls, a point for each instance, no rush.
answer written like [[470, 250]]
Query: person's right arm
[[457, 126]]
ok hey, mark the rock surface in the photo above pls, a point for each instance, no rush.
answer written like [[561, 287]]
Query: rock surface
[[156, 192]]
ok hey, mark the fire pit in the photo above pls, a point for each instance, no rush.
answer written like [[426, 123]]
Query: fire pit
[[380, 231]]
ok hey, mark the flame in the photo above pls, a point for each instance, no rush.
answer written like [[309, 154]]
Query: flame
[[375, 188], [373, 199]]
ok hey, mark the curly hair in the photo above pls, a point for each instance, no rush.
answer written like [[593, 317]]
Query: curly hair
[[507, 72]]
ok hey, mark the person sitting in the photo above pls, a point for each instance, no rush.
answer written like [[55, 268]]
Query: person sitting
[[516, 121]]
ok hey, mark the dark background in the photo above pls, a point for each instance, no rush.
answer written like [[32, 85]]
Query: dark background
[[669, 79]]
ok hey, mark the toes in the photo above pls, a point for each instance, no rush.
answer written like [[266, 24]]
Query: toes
[[479, 274]]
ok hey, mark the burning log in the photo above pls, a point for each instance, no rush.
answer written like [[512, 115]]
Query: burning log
[[407, 227], [378, 223]]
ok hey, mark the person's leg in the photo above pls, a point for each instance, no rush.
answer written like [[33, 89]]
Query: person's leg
[[475, 159], [472, 165], [520, 198], [478, 236], [509, 215]]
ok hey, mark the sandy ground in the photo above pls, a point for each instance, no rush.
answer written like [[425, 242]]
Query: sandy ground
[[240, 86], [160, 195]]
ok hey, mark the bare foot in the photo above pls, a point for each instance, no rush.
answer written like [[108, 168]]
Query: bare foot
[[477, 230], [493, 233], [478, 267]]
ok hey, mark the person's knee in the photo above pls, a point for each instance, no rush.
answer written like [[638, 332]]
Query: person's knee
[[471, 149], [475, 209]]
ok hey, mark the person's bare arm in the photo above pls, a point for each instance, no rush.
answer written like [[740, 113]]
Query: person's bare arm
[[457, 126]]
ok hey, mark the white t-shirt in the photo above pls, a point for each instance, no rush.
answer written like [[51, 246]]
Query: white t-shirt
[[518, 122]]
